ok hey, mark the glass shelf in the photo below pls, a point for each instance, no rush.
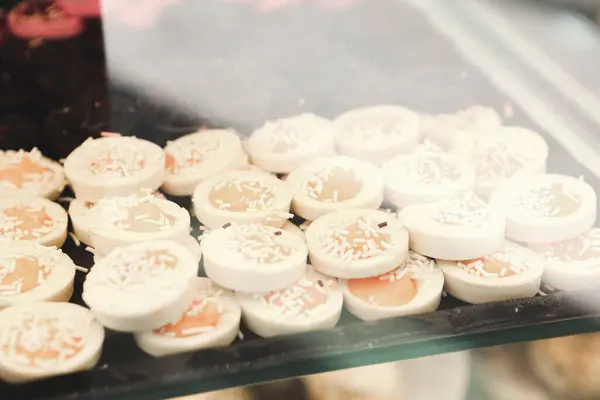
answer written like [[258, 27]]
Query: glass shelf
[[241, 68]]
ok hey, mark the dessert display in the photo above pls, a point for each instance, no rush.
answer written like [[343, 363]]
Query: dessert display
[[313, 302], [283, 145], [40, 340], [545, 208], [359, 243], [425, 175], [253, 258], [513, 272], [141, 287], [114, 166], [213, 320], [243, 197], [195, 157], [328, 184], [571, 264], [33, 219], [376, 133], [30, 272], [415, 287], [455, 229]]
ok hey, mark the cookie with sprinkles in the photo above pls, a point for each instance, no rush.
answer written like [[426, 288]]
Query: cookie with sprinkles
[[30, 272], [513, 272], [376, 133], [545, 208], [30, 174], [415, 287], [142, 286], [425, 176], [253, 258], [41, 340], [571, 264], [509, 152], [121, 221], [359, 243], [454, 229], [193, 158], [243, 197], [283, 145], [314, 302], [114, 166], [449, 131], [328, 184], [33, 219], [213, 320]]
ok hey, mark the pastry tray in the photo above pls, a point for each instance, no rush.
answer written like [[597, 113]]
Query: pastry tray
[[358, 56]]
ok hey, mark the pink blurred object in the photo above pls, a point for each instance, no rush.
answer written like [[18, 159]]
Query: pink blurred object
[[81, 8], [136, 13], [42, 19]]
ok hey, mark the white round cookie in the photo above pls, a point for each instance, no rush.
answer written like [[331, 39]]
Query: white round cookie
[[253, 258], [328, 184], [451, 130], [545, 208], [33, 219], [141, 287], [426, 176], [283, 145], [454, 229], [30, 272], [195, 157], [121, 221], [114, 166], [314, 302], [42, 340], [78, 213], [509, 152], [360, 243], [385, 296], [572, 264], [213, 320], [376, 133], [243, 197], [513, 272], [30, 174]]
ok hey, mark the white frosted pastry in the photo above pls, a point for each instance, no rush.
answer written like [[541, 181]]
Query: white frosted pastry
[[294, 229], [121, 221], [513, 272], [253, 258], [243, 197], [356, 243], [509, 152], [454, 229], [545, 208], [415, 287], [141, 287], [41, 340], [114, 166], [328, 184], [426, 176], [314, 302], [195, 157], [213, 320], [30, 272], [30, 174], [572, 264], [33, 219], [449, 130], [376, 133], [283, 145], [78, 213]]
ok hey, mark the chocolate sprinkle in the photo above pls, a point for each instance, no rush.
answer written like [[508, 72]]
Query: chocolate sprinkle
[[320, 282], [227, 225], [382, 225], [277, 233]]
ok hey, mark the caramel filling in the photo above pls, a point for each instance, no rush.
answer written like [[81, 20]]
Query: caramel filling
[[394, 289], [490, 266], [338, 185], [23, 172], [21, 275], [241, 196], [27, 223], [200, 318]]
